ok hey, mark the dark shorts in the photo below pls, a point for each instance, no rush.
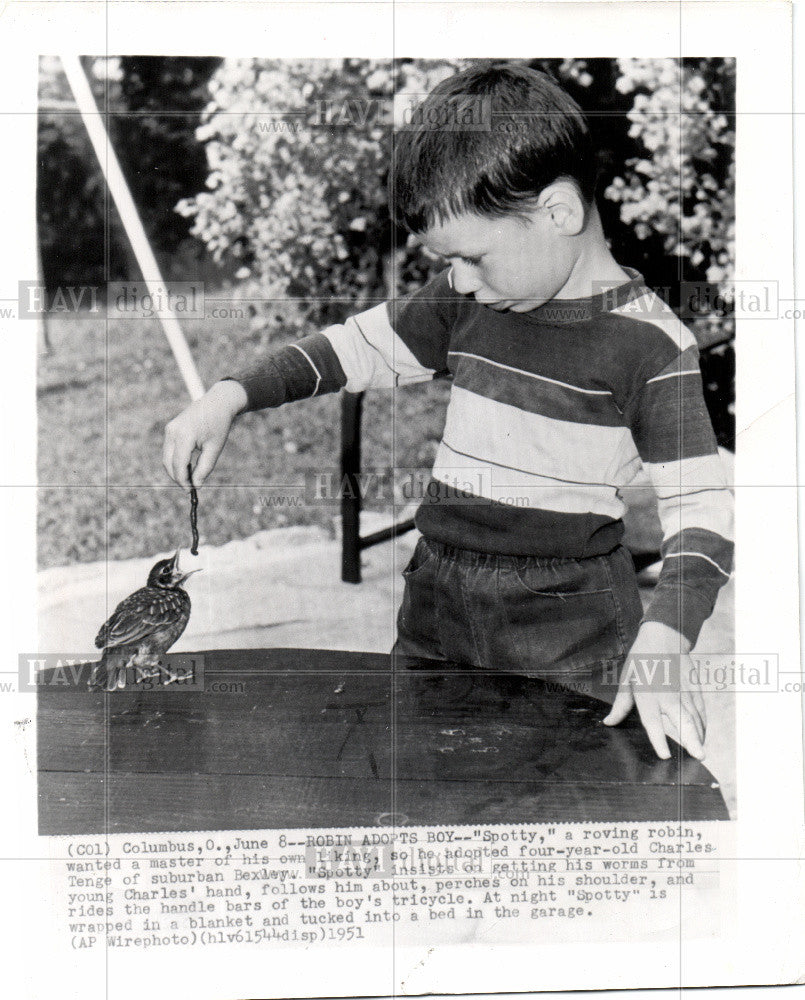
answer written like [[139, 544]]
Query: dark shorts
[[541, 617]]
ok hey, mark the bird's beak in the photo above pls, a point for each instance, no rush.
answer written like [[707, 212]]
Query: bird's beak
[[176, 574]]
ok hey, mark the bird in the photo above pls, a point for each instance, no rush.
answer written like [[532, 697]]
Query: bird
[[142, 627]]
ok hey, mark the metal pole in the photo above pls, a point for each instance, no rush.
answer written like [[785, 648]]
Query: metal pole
[[119, 190], [351, 407]]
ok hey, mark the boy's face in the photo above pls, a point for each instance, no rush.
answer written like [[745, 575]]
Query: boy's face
[[505, 263]]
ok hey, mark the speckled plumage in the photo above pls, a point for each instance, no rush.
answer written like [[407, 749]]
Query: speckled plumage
[[142, 627]]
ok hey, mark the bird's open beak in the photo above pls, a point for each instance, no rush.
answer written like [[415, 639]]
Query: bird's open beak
[[178, 576]]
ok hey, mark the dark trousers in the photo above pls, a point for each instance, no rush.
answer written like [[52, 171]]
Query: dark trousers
[[546, 618]]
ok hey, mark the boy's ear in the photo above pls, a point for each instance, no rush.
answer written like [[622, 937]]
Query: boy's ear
[[564, 205]]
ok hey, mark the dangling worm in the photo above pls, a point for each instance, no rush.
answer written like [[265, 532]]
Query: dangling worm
[[193, 512]]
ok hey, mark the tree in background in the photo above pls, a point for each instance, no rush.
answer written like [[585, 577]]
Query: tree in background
[[682, 185], [154, 106], [161, 99], [70, 191], [679, 190], [299, 153]]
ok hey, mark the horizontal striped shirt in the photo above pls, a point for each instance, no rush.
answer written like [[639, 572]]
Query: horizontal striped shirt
[[553, 416]]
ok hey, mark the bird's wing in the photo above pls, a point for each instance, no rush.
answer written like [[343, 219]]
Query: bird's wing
[[137, 617]]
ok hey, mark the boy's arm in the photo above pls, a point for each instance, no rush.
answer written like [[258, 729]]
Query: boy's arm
[[674, 437], [393, 344]]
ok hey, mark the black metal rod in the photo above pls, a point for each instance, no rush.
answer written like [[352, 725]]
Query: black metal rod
[[386, 533], [351, 408], [643, 559]]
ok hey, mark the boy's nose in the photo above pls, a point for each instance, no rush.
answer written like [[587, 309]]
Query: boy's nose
[[464, 281]]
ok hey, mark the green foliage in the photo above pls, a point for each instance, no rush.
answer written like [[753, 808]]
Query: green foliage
[[154, 106], [681, 185], [70, 195], [299, 153], [161, 98], [679, 190]]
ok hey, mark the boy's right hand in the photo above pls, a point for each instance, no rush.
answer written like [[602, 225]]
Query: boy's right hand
[[204, 425]]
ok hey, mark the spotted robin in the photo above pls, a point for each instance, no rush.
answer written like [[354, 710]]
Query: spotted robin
[[143, 626]]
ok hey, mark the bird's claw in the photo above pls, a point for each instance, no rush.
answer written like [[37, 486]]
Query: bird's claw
[[165, 674]]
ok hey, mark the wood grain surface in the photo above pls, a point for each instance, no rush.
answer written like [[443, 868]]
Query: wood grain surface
[[316, 738]]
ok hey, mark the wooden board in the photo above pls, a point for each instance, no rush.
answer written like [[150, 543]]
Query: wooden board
[[317, 738]]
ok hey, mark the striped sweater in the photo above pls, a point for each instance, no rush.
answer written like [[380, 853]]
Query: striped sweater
[[552, 415]]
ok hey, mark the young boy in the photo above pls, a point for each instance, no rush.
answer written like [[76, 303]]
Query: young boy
[[568, 376]]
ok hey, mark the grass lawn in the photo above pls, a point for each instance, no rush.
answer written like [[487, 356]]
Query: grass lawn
[[105, 394]]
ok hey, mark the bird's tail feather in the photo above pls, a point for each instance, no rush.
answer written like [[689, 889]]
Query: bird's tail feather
[[109, 673]]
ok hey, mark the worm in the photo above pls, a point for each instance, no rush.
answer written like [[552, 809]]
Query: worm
[[193, 512]]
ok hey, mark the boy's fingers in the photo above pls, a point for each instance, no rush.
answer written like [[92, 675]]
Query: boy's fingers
[[179, 457], [687, 706], [670, 727], [698, 701], [175, 470], [206, 462], [171, 453], [681, 723], [651, 719], [688, 735], [690, 707], [181, 460], [621, 707], [167, 455]]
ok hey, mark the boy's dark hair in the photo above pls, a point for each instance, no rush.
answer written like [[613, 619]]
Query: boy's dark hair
[[537, 134]]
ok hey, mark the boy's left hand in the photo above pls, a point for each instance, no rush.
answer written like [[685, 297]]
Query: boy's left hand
[[669, 701]]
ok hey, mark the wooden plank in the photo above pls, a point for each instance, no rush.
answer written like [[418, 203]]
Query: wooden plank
[[75, 803], [283, 734], [361, 742], [312, 716]]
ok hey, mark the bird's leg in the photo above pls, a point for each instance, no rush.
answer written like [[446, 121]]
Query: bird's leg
[[169, 675], [146, 666], [177, 671], [149, 666]]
